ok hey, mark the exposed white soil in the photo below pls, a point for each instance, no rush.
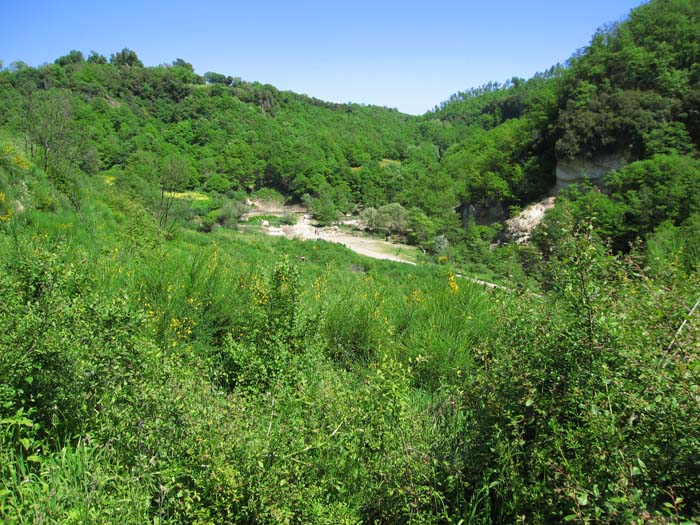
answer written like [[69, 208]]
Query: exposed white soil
[[306, 229], [519, 228]]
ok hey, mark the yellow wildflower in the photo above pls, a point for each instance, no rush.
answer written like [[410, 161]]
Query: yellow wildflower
[[452, 282]]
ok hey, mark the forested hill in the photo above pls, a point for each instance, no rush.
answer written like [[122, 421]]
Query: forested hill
[[634, 92], [233, 135], [632, 95]]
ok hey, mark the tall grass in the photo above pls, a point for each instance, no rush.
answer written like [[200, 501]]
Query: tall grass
[[76, 484], [236, 378]]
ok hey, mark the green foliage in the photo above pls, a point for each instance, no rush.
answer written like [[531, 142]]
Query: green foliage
[[231, 212], [74, 57], [96, 58], [421, 228], [125, 57], [301, 391], [628, 88], [560, 419], [576, 207], [353, 329], [658, 189], [157, 374], [77, 484], [322, 207], [268, 195], [596, 121], [639, 197], [269, 337], [670, 244], [173, 175], [390, 218], [219, 183]]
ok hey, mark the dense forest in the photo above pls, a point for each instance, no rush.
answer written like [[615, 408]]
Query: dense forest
[[160, 363]]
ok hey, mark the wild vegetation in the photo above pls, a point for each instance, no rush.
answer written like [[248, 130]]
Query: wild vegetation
[[160, 365]]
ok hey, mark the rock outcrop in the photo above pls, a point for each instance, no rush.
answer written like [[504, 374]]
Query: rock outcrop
[[519, 228], [570, 171]]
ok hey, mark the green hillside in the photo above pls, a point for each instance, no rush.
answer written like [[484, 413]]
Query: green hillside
[[161, 362]]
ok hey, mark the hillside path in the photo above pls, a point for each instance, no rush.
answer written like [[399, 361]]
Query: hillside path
[[305, 229]]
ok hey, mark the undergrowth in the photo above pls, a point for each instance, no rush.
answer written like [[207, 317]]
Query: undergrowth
[[232, 378]]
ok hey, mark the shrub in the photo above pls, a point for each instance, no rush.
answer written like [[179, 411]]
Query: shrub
[[255, 356], [567, 420]]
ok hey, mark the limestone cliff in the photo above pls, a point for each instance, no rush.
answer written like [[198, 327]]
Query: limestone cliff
[[519, 228], [570, 171]]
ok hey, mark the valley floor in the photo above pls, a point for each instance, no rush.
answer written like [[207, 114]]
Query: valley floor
[[305, 229]]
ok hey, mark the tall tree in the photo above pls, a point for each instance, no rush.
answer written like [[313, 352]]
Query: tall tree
[[174, 174], [48, 118], [126, 57], [73, 57], [96, 58]]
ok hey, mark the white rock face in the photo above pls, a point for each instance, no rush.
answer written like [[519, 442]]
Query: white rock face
[[519, 228], [570, 171]]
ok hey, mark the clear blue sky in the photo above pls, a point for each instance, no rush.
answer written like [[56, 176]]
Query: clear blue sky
[[403, 54]]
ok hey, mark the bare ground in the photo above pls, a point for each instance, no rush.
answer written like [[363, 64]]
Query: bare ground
[[306, 229]]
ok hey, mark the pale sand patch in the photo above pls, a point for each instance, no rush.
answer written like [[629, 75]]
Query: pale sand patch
[[304, 229]]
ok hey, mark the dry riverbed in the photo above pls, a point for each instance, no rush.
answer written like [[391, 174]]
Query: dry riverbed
[[306, 229]]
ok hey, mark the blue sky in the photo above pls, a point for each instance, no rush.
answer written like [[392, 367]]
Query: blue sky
[[392, 53]]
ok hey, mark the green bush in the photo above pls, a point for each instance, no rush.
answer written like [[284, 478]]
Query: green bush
[[566, 416], [353, 328]]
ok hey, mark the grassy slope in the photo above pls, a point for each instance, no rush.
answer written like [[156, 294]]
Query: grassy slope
[[180, 302], [217, 378]]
